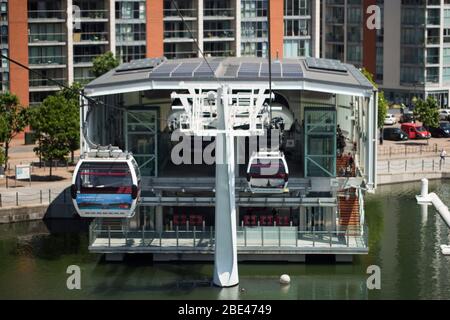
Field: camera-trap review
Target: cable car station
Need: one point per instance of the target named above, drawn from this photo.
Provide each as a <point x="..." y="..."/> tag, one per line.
<point x="291" y="161"/>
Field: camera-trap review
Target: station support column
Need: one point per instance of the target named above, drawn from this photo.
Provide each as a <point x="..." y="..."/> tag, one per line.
<point x="225" y="258"/>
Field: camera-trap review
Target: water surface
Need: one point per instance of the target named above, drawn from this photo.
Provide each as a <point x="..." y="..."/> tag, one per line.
<point x="404" y="242"/>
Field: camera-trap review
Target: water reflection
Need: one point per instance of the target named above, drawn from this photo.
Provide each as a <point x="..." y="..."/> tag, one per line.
<point x="404" y="241"/>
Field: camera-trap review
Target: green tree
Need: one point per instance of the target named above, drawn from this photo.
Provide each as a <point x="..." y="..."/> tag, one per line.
<point x="73" y="118"/>
<point x="2" y="156"/>
<point x="13" y="120"/>
<point x="382" y="103"/>
<point x="102" y="64"/>
<point x="54" y="123"/>
<point x="427" y="112"/>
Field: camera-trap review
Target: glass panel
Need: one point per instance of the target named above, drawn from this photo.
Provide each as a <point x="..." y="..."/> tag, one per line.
<point x="320" y="142"/>
<point x="141" y="143"/>
<point x="146" y="165"/>
<point x="142" y="140"/>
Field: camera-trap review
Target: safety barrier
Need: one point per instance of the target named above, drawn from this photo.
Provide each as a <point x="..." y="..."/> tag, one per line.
<point x="413" y="166"/>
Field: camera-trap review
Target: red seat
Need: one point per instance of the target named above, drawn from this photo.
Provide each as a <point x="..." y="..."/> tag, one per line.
<point x="176" y="220"/>
<point x="269" y="220"/>
<point x="262" y="220"/>
<point x="253" y="220"/>
<point x="246" y="220"/>
<point x="199" y="220"/>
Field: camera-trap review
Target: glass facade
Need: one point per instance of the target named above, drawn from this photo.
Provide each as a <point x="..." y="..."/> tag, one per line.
<point x="178" y="41"/>
<point x="4" y="67"/>
<point x="141" y="139"/>
<point x="254" y="28"/>
<point x="320" y="142"/>
<point x="130" y="30"/>
<point x="297" y="28"/>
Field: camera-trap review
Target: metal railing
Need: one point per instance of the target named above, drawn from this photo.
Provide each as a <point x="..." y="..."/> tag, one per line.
<point x="180" y="34"/>
<point x="88" y="58"/>
<point x="46" y="82"/>
<point x="45" y="196"/>
<point x="223" y="33"/>
<point x="47" y="37"/>
<point x="46" y="14"/>
<point x="47" y="60"/>
<point x="203" y="238"/>
<point x="404" y="150"/>
<point x="413" y="166"/>
<point x="173" y="13"/>
<point x="90" y="36"/>
<point x="218" y="12"/>
<point x="93" y="14"/>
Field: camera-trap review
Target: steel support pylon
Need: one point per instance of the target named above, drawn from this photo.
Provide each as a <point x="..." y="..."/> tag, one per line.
<point x="225" y="258"/>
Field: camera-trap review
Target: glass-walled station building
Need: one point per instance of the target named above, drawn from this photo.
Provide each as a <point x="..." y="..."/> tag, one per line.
<point x="328" y="112"/>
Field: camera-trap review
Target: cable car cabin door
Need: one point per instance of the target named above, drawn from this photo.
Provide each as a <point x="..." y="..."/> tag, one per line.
<point x="141" y="132"/>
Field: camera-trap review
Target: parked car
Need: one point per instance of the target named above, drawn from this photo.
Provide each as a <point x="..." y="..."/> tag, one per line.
<point x="407" y="118"/>
<point x="390" y="120"/>
<point x="444" y="114"/>
<point x="443" y="131"/>
<point x="394" y="134"/>
<point x="415" y="131"/>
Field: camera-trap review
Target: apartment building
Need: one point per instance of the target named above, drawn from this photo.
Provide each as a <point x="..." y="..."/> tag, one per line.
<point x="409" y="56"/>
<point x="58" y="39"/>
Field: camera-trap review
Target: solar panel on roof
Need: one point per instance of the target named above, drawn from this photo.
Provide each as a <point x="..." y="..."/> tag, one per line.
<point x="231" y="70"/>
<point x="141" y="64"/>
<point x="249" y="70"/>
<point x="276" y="70"/>
<point x="164" y="70"/>
<point x="292" y="70"/>
<point x="325" y="64"/>
<point x="205" y="69"/>
<point x="186" y="69"/>
<point x="359" y="76"/>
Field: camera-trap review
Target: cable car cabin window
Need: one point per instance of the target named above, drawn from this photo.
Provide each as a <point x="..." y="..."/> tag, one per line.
<point x="104" y="178"/>
<point x="273" y="169"/>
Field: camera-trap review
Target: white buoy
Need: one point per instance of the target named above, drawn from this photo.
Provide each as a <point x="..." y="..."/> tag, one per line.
<point x="285" y="279"/>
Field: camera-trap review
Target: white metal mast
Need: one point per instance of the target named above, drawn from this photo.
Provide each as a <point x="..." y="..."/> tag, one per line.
<point x="228" y="112"/>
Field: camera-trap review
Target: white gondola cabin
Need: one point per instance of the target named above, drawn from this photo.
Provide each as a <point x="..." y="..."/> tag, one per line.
<point x="106" y="183"/>
<point x="267" y="172"/>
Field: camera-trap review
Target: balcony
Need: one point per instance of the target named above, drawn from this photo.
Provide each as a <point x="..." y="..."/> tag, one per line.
<point x="433" y="40"/>
<point x="47" y="61"/>
<point x="130" y="37"/>
<point x="335" y="20"/>
<point x="45" y="85"/>
<point x="46" y="15"/>
<point x="84" y="59"/>
<point x="433" y="59"/>
<point x="224" y="34"/>
<point x="92" y="15"/>
<point x="172" y="14"/>
<point x="51" y="38"/>
<point x="83" y="80"/>
<point x="90" y="38"/>
<point x="218" y="14"/>
<point x="179" y="36"/>
<point x="331" y="37"/>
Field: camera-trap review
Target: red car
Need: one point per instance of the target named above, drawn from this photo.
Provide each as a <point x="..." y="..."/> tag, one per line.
<point x="415" y="131"/>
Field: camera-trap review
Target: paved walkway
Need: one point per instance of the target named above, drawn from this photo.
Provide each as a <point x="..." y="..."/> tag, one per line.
<point x="42" y="188"/>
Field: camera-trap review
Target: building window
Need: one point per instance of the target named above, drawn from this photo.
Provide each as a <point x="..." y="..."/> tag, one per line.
<point x="296" y="8"/>
<point x="446" y="74"/>
<point x="296" y="48"/>
<point x="253" y="8"/>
